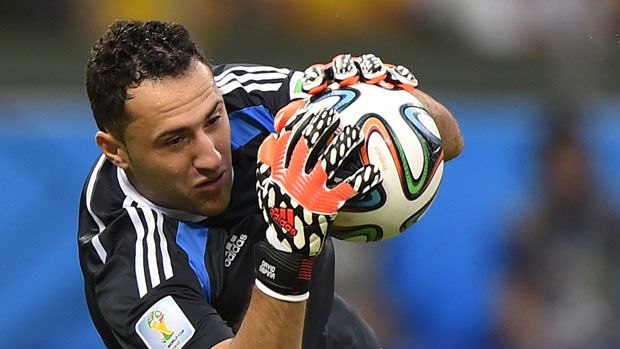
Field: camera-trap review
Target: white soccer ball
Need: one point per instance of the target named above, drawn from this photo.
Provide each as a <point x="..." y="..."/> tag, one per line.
<point x="401" y="139"/>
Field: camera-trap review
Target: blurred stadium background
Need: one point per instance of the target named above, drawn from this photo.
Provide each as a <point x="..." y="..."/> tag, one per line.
<point x="510" y="70"/>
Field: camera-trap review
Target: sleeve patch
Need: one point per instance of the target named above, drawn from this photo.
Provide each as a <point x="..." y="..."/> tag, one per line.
<point x="165" y="326"/>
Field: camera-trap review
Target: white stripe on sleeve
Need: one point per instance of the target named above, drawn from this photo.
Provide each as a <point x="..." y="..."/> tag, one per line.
<point x="139" y="260"/>
<point x="163" y="244"/>
<point x="103" y="255"/>
<point x="250" y="69"/>
<point x="250" y="87"/>
<point x="151" y="250"/>
<point x="250" y="77"/>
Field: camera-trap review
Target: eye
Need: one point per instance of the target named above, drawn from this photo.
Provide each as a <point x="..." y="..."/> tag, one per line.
<point x="175" y="141"/>
<point x="214" y="120"/>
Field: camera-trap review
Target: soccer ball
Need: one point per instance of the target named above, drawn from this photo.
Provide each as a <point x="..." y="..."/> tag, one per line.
<point x="401" y="139"/>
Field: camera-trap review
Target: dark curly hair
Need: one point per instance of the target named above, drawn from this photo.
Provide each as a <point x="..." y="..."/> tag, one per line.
<point x="129" y="52"/>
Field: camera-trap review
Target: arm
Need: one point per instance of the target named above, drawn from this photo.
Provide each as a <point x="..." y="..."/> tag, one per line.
<point x="264" y="322"/>
<point x="112" y="293"/>
<point x="299" y="209"/>
<point x="452" y="140"/>
<point x="346" y="70"/>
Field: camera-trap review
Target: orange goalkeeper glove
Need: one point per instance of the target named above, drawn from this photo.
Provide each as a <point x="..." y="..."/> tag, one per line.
<point x="346" y="70"/>
<point x="300" y="199"/>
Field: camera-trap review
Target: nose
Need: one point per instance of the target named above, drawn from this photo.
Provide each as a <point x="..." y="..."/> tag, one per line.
<point x="206" y="156"/>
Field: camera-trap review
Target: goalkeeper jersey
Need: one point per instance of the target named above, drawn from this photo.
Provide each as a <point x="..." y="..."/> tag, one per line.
<point x="161" y="278"/>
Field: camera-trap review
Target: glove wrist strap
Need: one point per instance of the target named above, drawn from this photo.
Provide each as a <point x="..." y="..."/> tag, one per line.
<point x="291" y="299"/>
<point x="282" y="275"/>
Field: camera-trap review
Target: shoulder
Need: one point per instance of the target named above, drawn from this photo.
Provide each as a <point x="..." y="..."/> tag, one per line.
<point x="249" y="77"/>
<point x="136" y="269"/>
<point x="120" y="236"/>
<point x="101" y="205"/>
<point x="245" y="85"/>
<point x="236" y="79"/>
<point x="118" y="224"/>
<point x="102" y="196"/>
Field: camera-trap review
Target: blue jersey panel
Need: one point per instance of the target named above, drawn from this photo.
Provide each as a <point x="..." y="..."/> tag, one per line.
<point x="193" y="240"/>
<point x="247" y="123"/>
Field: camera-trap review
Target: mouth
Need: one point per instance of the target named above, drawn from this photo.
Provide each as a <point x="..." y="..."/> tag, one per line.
<point x="212" y="184"/>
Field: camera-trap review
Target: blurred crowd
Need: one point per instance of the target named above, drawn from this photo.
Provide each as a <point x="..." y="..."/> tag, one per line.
<point x="561" y="288"/>
<point x="554" y="44"/>
<point x="555" y="283"/>
<point x="558" y="284"/>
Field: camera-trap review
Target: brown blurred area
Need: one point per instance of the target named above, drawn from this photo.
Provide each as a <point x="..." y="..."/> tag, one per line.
<point x="487" y="45"/>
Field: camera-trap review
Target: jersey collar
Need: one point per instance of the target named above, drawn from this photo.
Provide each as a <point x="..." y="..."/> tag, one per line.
<point x="134" y="195"/>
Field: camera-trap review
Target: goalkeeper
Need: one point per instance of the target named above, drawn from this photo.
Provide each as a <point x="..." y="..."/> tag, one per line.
<point x="176" y="247"/>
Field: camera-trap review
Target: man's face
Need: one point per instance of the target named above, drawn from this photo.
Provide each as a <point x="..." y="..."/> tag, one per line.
<point x="178" y="143"/>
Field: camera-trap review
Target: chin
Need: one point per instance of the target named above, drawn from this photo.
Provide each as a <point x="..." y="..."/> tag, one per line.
<point x="213" y="207"/>
<point x="214" y="211"/>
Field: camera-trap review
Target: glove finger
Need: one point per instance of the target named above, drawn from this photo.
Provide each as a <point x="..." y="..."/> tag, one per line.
<point x="264" y="162"/>
<point x="318" y="132"/>
<point x="296" y="127"/>
<point x="347" y="141"/>
<point x="364" y="179"/>
<point x="344" y="70"/>
<point x="298" y="120"/>
<point x="288" y="115"/>
<point x="315" y="80"/>
<point x="320" y="126"/>
<point x="372" y="68"/>
<point x="402" y="77"/>
<point x="315" y="128"/>
<point x="267" y="150"/>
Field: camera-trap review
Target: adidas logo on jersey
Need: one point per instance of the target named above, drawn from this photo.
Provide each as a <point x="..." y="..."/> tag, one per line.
<point x="233" y="246"/>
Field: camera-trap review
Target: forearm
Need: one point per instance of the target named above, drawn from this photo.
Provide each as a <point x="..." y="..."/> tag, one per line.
<point x="452" y="140"/>
<point x="270" y="323"/>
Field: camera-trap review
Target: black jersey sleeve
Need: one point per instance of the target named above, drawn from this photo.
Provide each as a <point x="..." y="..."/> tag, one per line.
<point x="146" y="293"/>
<point x="247" y="85"/>
<point x="356" y="334"/>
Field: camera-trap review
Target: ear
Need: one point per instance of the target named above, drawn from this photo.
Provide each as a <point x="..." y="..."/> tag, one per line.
<point x="113" y="149"/>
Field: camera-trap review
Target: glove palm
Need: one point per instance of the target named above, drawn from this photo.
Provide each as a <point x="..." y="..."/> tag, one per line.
<point x="295" y="181"/>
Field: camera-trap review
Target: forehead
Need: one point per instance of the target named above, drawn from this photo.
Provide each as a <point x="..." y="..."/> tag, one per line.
<point x="171" y="96"/>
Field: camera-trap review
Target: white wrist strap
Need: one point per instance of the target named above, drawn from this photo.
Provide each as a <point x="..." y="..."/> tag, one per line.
<point x="293" y="299"/>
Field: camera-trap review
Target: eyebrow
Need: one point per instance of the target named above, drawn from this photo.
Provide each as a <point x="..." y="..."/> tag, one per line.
<point x="185" y="129"/>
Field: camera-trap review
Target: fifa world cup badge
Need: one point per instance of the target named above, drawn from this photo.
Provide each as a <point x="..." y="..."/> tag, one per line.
<point x="165" y="326"/>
